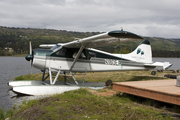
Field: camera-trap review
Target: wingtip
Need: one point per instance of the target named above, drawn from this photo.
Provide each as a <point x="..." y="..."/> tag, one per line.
<point x="123" y="34"/>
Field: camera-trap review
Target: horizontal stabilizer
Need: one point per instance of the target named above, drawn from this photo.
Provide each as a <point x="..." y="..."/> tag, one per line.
<point x="165" y="65"/>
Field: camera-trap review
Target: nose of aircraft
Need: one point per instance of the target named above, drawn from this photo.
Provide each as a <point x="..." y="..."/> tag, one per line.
<point x="29" y="57"/>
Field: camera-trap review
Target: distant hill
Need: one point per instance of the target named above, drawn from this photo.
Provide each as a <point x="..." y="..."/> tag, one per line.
<point x="162" y="47"/>
<point x="164" y="44"/>
<point x="18" y="39"/>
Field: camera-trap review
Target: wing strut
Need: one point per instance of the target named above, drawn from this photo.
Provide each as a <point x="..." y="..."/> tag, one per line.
<point x="75" y="60"/>
<point x="77" y="56"/>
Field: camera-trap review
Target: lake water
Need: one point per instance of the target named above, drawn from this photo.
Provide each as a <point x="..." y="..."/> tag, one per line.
<point x="12" y="67"/>
<point x="174" y="61"/>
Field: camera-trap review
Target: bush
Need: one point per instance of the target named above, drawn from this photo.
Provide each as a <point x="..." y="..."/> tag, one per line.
<point x="2" y="114"/>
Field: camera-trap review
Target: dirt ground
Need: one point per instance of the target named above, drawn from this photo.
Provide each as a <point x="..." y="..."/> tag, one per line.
<point x="106" y="93"/>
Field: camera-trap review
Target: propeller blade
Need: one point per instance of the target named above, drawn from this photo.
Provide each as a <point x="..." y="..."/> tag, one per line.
<point x="30" y="51"/>
<point x="30" y="48"/>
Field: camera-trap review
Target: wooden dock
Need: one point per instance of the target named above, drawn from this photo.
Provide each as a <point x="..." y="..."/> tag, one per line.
<point x="161" y="90"/>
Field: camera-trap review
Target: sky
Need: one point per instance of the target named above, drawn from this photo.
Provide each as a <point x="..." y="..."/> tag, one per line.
<point x="153" y="18"/>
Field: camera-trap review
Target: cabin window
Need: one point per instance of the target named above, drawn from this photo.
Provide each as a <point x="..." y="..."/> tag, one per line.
<point x="82" y="56"/>
<point x="61" y="52"/>
<point x="91" y="54"/>
<point x="41" y="52"/>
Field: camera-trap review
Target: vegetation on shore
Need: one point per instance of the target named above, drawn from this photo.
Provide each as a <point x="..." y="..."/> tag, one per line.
<point x="16" y="55"/>
<point x="82" y="104"/>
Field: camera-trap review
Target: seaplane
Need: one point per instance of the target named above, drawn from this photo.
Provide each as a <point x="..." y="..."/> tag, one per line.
<point x="80" y="56"/>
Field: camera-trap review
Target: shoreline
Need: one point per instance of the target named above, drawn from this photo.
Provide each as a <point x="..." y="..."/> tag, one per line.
<point x="19" y="55"/>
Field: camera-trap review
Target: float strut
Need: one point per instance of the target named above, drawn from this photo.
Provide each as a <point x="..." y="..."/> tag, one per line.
<point x="65" y="77"/>
<point x="55" y="79"/>
<point x="43" y="79"/>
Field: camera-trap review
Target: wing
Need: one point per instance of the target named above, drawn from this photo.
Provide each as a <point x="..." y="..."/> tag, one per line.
<point x="97" y="40"/>
<point x="101" y="39"/>
<point x="47" y="45"/>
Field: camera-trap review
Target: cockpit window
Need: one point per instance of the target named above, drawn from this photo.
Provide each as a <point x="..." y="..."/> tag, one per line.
<point x="41" y="52"/>
<point x="61" y="52"/>
<point x="91" y="54"/>
<point x="82" y="56"/>
<point x="56" y="46"/>
<point x="74" y="55"/>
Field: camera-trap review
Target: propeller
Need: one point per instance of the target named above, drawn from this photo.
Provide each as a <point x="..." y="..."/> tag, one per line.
<point x="29" y="57"/>
<point x="30" y="51"/>
<point x="30" y="48"/>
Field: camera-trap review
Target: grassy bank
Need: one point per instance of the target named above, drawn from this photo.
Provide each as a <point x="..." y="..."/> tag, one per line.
<point x="104" y="76"/>
<point x="82" y="104"/>
<point x="96" y="104"/>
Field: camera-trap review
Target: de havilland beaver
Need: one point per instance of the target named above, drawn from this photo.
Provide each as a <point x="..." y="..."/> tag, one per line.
<point x="79" y="56"/>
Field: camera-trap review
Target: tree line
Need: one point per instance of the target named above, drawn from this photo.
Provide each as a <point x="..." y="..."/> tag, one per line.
<point x="18" y="39"/>
<point x="168" y="54"/>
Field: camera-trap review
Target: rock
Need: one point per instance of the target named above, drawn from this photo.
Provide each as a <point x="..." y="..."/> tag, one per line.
<point x="170" y="76"/>
<point x="109" y="83"/>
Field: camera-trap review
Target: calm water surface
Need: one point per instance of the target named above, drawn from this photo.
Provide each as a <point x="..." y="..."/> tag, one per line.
<point x="174" y="61"/>
<point x="11" y="67"/>
<point x="15" y="66"/>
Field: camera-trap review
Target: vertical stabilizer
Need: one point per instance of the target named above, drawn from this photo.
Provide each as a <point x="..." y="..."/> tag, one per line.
<point x="142" y="53"/>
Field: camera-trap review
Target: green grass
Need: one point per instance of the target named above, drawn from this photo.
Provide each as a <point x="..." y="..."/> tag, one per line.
<point x="2" y="114"/>
<point x="7" y="114"/>
<point x="81" y="104"/>
<point x="10" y="113"/>
<point x="36" y="76"/>
<point x="104" y="76"/>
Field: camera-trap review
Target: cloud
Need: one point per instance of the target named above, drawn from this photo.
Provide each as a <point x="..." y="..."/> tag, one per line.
<point x="148" y="18"/>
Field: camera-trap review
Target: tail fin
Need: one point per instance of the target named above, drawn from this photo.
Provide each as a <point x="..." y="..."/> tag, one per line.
<point x="142" y="53"/>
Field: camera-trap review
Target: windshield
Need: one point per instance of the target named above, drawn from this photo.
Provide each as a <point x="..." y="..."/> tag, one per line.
<point x="56" y="46"/>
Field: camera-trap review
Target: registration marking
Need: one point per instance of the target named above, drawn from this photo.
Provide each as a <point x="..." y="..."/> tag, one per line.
<point x="112" y="62"/>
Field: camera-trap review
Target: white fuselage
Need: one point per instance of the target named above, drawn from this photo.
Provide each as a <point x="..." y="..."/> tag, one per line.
<point x="82" y="65"/>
